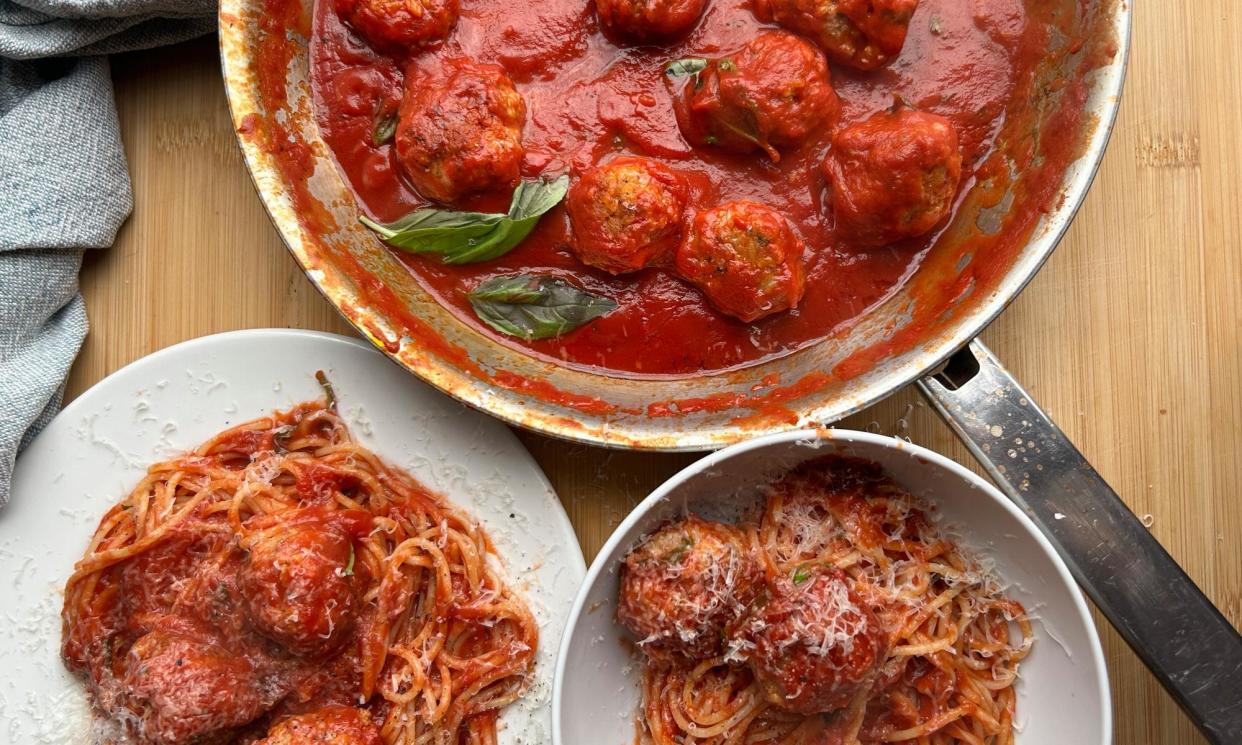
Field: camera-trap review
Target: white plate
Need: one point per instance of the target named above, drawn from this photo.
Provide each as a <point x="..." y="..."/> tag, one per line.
<point x="1063" y="687"/>
<point x="94" y="452"/>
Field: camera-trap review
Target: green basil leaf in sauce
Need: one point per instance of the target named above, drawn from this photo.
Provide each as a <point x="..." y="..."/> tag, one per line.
<point x="683" y="68"/>
<point x="383" y="128"/>
<point x="747" y="128"/>
<point x="349" y="568"/>
<point x="531" y="306"/>
<point x="471" y="237"/>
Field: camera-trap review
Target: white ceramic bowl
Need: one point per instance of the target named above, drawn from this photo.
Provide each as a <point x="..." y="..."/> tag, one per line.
<point x="1063" y="694"/>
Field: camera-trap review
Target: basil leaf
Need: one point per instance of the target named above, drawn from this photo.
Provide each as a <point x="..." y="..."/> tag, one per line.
<point x="533" y="307"/>
<point x="436" y="231"/>
<point x="471" y="237"/>
<point x="683" y="68"/>
<point x="747" y="128"/>
<point x="383" y="128"/>
<point x="533" y="198"/>
<point x="349" y="568"/>
<point x="434" y="219"/>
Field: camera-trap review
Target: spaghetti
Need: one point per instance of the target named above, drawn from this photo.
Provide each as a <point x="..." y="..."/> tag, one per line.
<point x="281" y="568"/>
<point x="951" y="640"/>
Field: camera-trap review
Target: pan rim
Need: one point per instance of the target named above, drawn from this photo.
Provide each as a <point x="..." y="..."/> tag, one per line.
<point x="870" y="389"/>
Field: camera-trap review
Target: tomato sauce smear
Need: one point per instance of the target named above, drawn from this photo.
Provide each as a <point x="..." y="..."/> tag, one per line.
<point x="589" y="99"/>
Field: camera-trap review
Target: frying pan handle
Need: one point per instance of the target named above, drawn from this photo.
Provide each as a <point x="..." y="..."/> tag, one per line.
<point x="1193" y="650"/>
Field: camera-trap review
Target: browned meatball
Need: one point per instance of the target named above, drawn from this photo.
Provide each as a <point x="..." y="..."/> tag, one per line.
<point x="626" y="214"/>
<point x="684" y="585"/>
<point x="745" y="258"/>
<point x="335" y="725"/>
<point x="773" y="93"/>
<point x="395" y="25"/>
<point x="648" y="20"/>
<point x="815" y="644"/>
<point x="298" y="580"/>
<point x="459" y="130"/>
<point x="893" y="176"/>
<point x="861" y="33"/>
<point x="180" y="683"/>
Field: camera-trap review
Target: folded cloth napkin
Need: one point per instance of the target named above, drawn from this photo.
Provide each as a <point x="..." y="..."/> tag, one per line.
<point x="64" y="186"/>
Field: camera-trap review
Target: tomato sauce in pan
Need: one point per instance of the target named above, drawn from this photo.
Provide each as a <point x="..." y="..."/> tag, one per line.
<point x="588" y="98"/>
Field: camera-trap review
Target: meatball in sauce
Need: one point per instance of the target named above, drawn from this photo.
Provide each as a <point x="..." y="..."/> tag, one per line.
<point x="865" y="34"/>
<point x="627" y="214"/>
<point x="648" y="20"/>
<point x="773" y="93"/>
<point x="745" y="258"/>
<point x="459" y="129"/>
<point x="400" y="25"/>
<point x="893" y="176"/>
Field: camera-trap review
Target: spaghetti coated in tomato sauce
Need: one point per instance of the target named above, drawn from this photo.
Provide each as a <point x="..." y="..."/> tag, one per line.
<point x="282" y="584"/>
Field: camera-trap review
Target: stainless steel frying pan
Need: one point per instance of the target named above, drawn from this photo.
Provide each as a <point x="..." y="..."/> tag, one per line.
<point x="925" y="334"/>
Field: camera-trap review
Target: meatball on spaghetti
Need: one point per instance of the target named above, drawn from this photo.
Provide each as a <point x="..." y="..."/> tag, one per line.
<point x="626" y="214"/>
<point x="459" y="129"/>
<point x="684" y="585"/>
<point x="339" y="725"/>
<point x="745" y="258"/>
<point x="397" y="25"/>
<point x="860" y="33"/>
<point x="772" y="94"/>
<point x="182" y="682"/>
<point x="297" y="579"/>
<point x="282" y="581"/>
<point x="648" y="20"/>
<point x="816" y="645"/>
<point x="893" y="176"/>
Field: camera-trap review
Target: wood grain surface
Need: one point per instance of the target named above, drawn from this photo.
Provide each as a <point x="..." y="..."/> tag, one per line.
<point x="1129" y="336"/>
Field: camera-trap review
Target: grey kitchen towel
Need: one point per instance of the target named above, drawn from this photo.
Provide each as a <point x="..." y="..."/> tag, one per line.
<point x="64" y="185"/>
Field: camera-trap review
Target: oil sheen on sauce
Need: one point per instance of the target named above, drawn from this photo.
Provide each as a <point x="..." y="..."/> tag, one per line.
<point x="588" y="98"/>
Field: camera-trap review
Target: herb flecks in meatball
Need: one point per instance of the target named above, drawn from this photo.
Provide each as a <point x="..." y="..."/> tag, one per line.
<point x="459" y="130"/>
<point x="814" y="646"/>
<point x="627" y="214"/>
<point x="893" y="176"/>
<point x="745" y="258"/>
<point x="648" y="20"/>
<point x="683" y="586"/>
<point x="774" y="93"/>
<point x="398" y="25"/>
<point x="865" y="34"/>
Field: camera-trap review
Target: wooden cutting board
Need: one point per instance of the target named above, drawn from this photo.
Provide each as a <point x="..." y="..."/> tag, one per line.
<point x="1129" y="336"/>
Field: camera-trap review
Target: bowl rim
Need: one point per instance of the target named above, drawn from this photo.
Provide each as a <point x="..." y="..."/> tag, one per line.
<point x="600" y="563"/>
